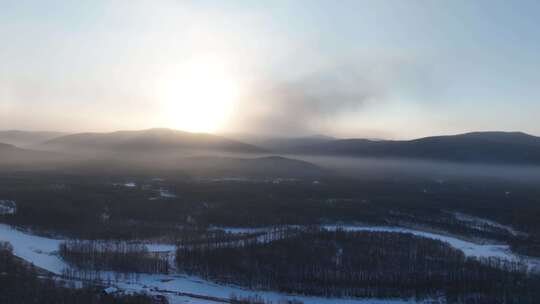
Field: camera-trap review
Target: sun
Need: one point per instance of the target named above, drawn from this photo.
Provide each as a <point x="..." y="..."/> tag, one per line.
<point x="198" y="95"/>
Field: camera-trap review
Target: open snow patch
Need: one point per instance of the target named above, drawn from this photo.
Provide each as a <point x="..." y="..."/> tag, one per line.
<point x="126" y="184"/>
<point x="7" y="207"/>
<point x="484" y="224"/>
<point x="166" y="193"/>
<point x="40" y="251"/>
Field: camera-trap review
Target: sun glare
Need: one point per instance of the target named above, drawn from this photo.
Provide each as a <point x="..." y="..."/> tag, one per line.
<point x="199" y="95"/>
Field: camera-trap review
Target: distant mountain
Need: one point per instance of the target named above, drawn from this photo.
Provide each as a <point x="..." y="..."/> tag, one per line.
<point x="14" y="157"/>
<point x="271" y="166"/>
<point x="6" y="147"/>
<point x="477" y="147"/>
<point x="281" y="144"/>
<point x="152" y="140"/>
<point x="27" y="138"/>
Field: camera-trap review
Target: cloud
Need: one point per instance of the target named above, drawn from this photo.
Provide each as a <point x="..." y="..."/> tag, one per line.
<point x="307" y="105"/>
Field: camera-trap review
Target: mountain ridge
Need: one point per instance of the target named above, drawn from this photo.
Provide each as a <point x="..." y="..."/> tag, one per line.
<point x="24" y="138"/>
<point x="149" y="140"/>
<point x="481" y="147"/>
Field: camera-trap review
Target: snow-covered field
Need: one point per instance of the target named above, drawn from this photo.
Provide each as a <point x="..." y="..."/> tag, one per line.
<point x="35" y="249"/>
<point x="42" y="252"/>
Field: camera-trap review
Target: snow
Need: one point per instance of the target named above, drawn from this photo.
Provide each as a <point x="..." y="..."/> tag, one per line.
<point x="241" y="230"/>
<point x="126" y="184"/>
<point x="478" y="222"/>
<point x="166" y="193"/>
<point x="7" y="207"/>
<point x="230" y="179"/>
<point x="261" y="234"/>
<point x="194" y="285"/>
<point x="161" y="247"/>
<point x="283" y="180"/>
<point x="38" y="250"/>
<point x="188" y="300"/>
<point x="470" y="249"/>
<point x="42" y="252"/>
<point x="110" y="290"/>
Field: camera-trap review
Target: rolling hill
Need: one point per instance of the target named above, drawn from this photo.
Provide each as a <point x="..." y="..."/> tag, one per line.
<point x="280" y="144"/>
<point x="27" y="138"/>
<point x="476" y="147"/>
<point x="147" y="141"/>
<point x="269" y="166"/>
<point x="14" y="157"/>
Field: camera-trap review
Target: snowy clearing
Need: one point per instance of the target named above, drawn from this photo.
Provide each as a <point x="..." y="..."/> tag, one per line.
<point x="35" y="249"/>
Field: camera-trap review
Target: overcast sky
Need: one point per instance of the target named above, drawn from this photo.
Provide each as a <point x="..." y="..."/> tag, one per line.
<point x="394" y="69"/>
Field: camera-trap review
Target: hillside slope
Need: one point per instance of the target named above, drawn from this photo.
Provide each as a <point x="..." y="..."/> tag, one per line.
<point x="477" y="147"/>
<point x="152" y="140"/>
<point x="27" y="138"/>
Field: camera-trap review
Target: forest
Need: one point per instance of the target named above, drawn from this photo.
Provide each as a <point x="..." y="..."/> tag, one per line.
<point x="361" y="264"/>
<point x="23" y="284"/>
<point x="103" y="210"/>
<point x="101" y="207"/>
<point x="117" y="256"/>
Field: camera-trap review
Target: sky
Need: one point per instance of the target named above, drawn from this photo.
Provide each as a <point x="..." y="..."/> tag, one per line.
<point x="383" y="69"/>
